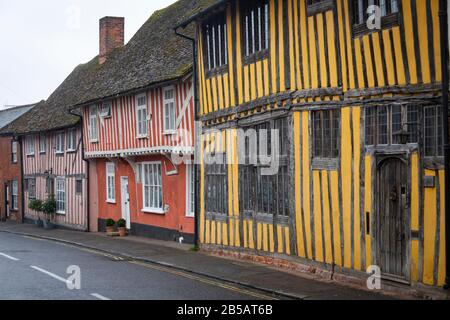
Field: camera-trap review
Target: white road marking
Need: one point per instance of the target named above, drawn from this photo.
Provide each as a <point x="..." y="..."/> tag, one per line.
<point x="54" y="276"/>
<point x="8" y="257"/>
<point x="100" y="297"/>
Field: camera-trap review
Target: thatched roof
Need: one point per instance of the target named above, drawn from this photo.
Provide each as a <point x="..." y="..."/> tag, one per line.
<point x="155" y="54"/>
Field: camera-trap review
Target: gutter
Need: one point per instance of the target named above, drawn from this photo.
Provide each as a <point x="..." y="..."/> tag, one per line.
<point x="88" y="191"/>
<point x="196" y="167"/>
<point x="443" y="16"/>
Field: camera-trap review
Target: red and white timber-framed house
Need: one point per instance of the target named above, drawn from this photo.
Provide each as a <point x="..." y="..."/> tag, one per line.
<point x="137" y="115"/>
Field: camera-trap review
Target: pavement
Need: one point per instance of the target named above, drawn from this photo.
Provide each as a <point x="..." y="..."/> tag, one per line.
<point x="166" y="257"/>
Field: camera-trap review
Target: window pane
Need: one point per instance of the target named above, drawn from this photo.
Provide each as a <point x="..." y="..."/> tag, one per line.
<point x="413" y="124"/>
<point x="396" y="123"/>
<point x="429" y="131"/>
<point x="382" y="125"/>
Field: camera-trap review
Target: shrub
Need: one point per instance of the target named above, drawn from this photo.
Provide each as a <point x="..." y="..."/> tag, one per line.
<point x="122" y="223"/>
<point x="49" y="206"/>
<point x="35" y="205"/>
<point x="110" y="223"/>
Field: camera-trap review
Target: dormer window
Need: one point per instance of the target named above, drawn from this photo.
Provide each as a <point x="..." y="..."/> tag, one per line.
<point x="255" y="25"/>
<point x="215" y="42"/>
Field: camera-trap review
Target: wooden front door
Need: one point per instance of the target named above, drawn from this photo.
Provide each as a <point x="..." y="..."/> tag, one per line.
<point x="392" y="218"/>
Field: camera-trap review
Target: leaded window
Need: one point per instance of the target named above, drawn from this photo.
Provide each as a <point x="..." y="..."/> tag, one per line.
<point x="326" y="126"/>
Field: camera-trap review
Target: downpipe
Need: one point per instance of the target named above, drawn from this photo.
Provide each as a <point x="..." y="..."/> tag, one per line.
<point x="443" y="21"/>
<point x="196" y="167"/>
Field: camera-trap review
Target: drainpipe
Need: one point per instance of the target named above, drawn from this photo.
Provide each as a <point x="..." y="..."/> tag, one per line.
<point x="22" y="171"/>
<point x="88" y="202"/>
<point x="196" y="169"/>
<point x="445" y="86"/>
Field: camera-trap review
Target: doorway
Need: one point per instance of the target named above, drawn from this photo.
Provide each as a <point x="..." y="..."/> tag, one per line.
<point x="392" y="223"/>
<point x="125" y="201"/>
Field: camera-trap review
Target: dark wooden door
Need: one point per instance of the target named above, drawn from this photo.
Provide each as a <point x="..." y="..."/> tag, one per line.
<point x="392" y="218"/>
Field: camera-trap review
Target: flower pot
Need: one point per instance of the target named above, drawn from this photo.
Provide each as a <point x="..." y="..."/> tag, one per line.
<point x="109" y="230"/>
<point x="48" y="225"/>
<point x="123" y="232"/>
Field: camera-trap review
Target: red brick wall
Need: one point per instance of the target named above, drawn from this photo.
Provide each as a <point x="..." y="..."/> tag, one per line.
<point x="9" y="172"/>
<point x="112" y="31"/>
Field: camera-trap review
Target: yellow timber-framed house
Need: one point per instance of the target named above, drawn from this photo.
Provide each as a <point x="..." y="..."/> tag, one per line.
<point x="357" y="110"/>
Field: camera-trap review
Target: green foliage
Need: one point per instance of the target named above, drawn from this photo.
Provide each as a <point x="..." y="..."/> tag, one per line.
<point x="110" y="223"/>
<point x="35" y="205"/>
<point x="122" y="223"/>
<point x="49" y="206"/>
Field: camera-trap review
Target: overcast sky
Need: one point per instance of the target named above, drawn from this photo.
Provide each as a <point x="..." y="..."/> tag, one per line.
<point x="43" y="41"/>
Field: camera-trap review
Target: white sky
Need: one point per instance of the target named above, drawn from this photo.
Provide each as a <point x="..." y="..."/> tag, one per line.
<point x="41" y="42"/>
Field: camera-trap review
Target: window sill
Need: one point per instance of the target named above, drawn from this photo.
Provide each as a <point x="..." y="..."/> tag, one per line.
<point x="93" y="141"/>
<point x="190" y="215"/>
<point x="142" y="137"/>
<point x="61" y="213"/>
<point x="154" y="211"/>
<point x="59" y="154"/>
<point x="325" y="163"/>
<point x="30" y="155"/>
<point x="217" y="71"/>
<point x="255" y="57"/>
<point x="111" y="201"/>
<point x="170" y="133"/>
<point x="71" y="150"/>
<point x="387" y="22"/>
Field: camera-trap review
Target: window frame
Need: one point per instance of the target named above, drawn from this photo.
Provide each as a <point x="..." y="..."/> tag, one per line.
<point x="14" y="195"/>
<point x="58" y="182"/>
<point x="32" y="187"/>
<point x="334" y="135"/>
<point x="60" y="143"/>
<point x="78" y="186"/>
<point x="71" y="138"/>
<point x="157" y="187"/>
<point x="106" y="105"/>
<point x="438" y="147"/>
<point x="93" y="124"/>
<point x="388" y="21"/>
<point x="210" y="53"/>
<point x="14" y="152"/>
<point x="190" y="190"/>
<point x="110" y="174"/>
<point x="143" y="122"/>
<point x="264" y="37"/>
<point x="218" y="173"/>
<point x="42" y="143"/>
<point x="31" y="148"/>
<point x="166" y="102"/>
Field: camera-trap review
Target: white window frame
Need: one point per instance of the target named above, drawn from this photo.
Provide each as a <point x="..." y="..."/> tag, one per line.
<point x="15" y="195"/>
<point x="14" y="150"/>
<point x="172" y="116"/>
<point x="42" y="143"/>
<point x="110" y="182"/>
<point x="190" y="191"/>
<point x="155" y="185"/>
<point x="30" y="146"/>
<point x="93" y="124"/>
<point x="60" y="195"/>
<point x="142" y="116"/>
<point x="60" y="142"/>
<point x="72" y="140"/>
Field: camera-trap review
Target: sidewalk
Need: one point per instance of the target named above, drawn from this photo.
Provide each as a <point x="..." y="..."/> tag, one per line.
<point x="178" y="256"/>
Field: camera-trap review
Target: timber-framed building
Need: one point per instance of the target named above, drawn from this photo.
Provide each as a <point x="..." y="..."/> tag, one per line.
<point x="361" y="177"/>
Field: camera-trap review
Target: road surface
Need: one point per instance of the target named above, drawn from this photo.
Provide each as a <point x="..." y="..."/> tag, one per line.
<point x="33" y="269"/>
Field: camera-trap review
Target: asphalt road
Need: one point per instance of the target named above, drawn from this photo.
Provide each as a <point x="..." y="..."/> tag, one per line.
<point x="32" y="269"/>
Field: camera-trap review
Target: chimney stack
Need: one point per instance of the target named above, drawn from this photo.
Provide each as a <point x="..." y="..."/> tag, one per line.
<point x="112" y="30"/>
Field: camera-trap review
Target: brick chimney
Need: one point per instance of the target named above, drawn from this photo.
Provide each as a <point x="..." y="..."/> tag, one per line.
<point x="112" y="31"/>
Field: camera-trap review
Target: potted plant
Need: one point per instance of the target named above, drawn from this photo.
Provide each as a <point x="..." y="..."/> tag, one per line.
<point x="49" y="209"/>
<point x="122" y="227"/>
<point x="36" y="205"/>
<point x="110" y="224"/>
